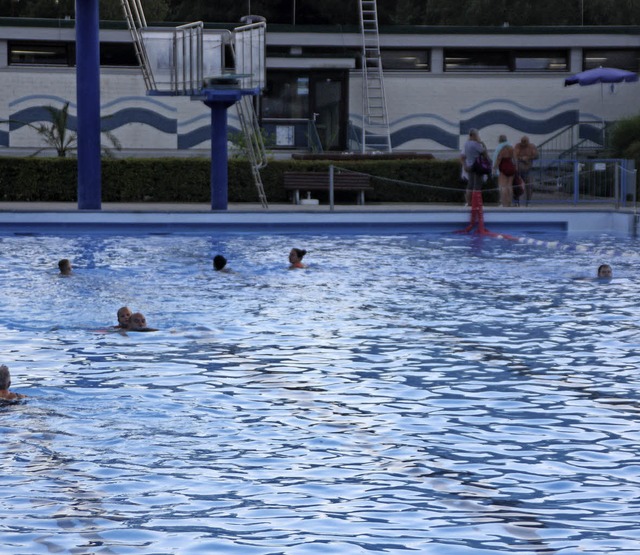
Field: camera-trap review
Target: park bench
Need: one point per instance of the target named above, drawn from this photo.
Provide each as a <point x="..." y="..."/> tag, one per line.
<point x="319" y="181"/>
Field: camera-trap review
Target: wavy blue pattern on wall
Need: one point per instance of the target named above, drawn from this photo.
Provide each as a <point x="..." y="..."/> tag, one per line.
<point x="520" y="107"/>
<point x="139" y="115"/>
<point x="199" y="136"/>
<point x="30" y="97"/>
<point x="108" y="123"/>
<point x="424" y="132"/>
<point x="4" y="138"/>
<point x="525" y="125"/>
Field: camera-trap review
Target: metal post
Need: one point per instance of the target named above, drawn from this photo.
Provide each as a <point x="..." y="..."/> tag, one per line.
<point x="576" y="182"/>
<point x="331" y="187"/>
<point x="616" y="183"/>
<point x="88" y="99"/>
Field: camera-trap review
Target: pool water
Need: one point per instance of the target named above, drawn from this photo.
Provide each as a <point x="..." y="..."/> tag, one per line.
<point x="435" y="394"/>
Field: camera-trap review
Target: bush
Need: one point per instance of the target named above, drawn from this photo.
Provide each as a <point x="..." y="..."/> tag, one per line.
<point x="625" y="138"/>
<point x="188" y="180"/>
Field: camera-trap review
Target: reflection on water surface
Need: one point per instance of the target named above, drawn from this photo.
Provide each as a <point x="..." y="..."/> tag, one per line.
<point x="432" y="394"/>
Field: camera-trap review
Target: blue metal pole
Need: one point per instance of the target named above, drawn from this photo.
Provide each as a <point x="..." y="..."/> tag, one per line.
<point x="219" y="163"/>
<point x="88" y="98"/>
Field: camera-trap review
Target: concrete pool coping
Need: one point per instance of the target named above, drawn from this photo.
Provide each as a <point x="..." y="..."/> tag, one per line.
<point x="60" y="216"/>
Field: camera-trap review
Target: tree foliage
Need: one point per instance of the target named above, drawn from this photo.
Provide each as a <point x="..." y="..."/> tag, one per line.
<point x="345" y="12"/>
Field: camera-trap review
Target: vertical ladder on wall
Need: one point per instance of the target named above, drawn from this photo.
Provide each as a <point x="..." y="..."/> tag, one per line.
<point x="134" y="15"/>
<point x="375" y="120"/>
<point x="254" y="143"/>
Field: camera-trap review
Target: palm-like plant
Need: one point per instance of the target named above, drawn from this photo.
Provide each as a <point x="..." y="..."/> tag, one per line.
<point x="57" y="135"/>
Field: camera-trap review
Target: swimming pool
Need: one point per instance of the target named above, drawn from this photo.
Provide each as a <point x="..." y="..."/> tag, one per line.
<point x="407" y="393"/>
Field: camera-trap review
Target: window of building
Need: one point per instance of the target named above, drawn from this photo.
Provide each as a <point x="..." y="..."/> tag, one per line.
<point x="41" y="53"/>
<point x="541" y="60"/>
<point x="418" y="60"/>
<point x="118" y="54"/>
<point x="469" y="60"/>
<point x="476" y="60"/>
<point x="286" y="96"/>
<point x="628" y="59"/>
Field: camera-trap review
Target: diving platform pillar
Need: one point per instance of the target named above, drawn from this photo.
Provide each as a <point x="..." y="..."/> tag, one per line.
<point x="88" y="99"/>
<point x="219" y="101"/>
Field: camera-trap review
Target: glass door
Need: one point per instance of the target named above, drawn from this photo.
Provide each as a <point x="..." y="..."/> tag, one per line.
<point x="329" y="103"/>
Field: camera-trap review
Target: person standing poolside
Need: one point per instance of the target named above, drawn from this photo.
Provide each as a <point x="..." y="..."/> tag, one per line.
<point x="5" y="384"/>
<point x="123" y="315"/>
<point x="464" y="178"/>
<point x="525" y="153"/>
<point x="504" y="164"/>
<point x="295" y="258"/>
<point x="473" y="148"/>
<point x="64" y="266"/>
<point x="605" y="271"/>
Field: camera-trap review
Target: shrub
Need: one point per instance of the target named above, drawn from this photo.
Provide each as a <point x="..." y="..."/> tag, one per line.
<point x="188" y="179"/>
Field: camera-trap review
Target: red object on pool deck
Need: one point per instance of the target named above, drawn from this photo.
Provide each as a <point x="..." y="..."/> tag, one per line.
<point x="477" y="219"/>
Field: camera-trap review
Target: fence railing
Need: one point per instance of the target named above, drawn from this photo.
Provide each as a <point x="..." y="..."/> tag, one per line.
<point x="605" y="181"/>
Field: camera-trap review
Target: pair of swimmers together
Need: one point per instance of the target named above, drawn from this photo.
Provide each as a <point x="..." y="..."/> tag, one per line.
<point x="131" y="321"/>
<point x="295" y="261"/>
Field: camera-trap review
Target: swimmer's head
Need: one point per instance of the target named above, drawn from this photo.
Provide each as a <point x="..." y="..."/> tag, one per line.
<point x="296" y="255"/>
<point x="605" y="271"/>
<point x="219" y="262"/>
<point x="124" y="315"/>
<point x="137" y="321"/>
<point x="65" y="266"/>
<point x="5" y="377"/>
<point x="502" y="139"/>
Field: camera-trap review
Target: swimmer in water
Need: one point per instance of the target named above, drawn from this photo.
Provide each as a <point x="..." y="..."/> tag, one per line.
<point x="295" y="258"/>
<point x="64" y="266"/>
<point x="123" y="315"/>
<point x="5" y="384"/>
<point x="220" y="263"/>
<point x="138" y="322"/>
<point x="605" y="271"/>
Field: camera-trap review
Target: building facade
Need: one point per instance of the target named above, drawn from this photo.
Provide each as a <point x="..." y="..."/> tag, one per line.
<point x="439" y="82"/>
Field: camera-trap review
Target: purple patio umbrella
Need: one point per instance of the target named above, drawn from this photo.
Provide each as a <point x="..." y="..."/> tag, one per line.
<point x="602" y="75"/>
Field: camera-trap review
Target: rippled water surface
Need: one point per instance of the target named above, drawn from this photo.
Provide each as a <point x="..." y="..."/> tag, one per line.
<point x="431" y="394"/>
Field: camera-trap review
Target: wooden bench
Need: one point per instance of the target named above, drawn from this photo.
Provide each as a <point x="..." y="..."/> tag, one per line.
<point x="319" y="181"/>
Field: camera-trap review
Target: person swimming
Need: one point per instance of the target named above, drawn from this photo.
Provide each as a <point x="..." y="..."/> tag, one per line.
<point x="65" y="267"/>
<point x="123" y="315"/>
<point x="5" y="384"/>
<point x="295" y="258"/>
<point x="220" y="263"/>
<point x="605" y="271"/>
<point x="138" y="322"/>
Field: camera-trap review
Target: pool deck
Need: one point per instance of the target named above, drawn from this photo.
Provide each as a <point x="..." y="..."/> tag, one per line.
<point x="57" y="216"/>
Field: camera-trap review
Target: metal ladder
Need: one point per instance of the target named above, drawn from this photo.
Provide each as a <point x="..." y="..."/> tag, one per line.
<point x="134" y="15"/>
<point x="375" y="120"/>
<point x="255" y="148"/>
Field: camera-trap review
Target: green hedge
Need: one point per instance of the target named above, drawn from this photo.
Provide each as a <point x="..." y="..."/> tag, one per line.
<point x="187" y="180"/>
